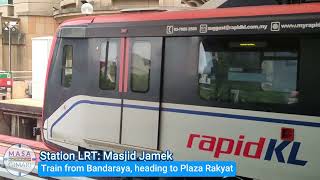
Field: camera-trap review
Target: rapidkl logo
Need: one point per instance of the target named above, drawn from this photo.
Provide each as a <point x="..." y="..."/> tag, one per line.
<point x="241" y="148"/>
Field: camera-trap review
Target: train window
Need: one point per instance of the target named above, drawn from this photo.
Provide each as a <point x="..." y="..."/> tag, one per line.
<point x="249" y="75"/>
<point x="67" y="65"/>
<point x="108" y="65"/>
<point x="140" y="68"/>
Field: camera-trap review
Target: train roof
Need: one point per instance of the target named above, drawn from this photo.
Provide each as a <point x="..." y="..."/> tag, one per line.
<point x="306" y="8"/>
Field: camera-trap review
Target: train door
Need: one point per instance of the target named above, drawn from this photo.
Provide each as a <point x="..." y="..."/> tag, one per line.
<point x="141" y="91"/>
<point x="105" y="112"/>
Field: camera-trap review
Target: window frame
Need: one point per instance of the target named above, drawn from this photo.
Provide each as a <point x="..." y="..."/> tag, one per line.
<point x="264" y="107"/>
<point x="132" y="68"/>
<point x="64" y="66"/>
<point x="106" y="61"/>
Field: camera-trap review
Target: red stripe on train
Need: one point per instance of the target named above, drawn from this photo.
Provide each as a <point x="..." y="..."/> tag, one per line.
<point x="126" y="68"/>
<point x="122" y="49"/>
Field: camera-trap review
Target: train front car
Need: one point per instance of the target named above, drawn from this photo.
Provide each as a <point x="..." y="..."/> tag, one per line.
<point x="237" y="84"/>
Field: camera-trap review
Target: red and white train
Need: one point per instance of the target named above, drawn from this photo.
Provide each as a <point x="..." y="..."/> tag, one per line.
<point x="239" y="84"/>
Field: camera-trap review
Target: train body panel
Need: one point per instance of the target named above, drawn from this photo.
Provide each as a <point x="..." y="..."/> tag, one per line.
<point x="222" y="85"/>
<point x="92" y="114"/>
<point x="205" y="132"/>
<point x="198" y="133"/>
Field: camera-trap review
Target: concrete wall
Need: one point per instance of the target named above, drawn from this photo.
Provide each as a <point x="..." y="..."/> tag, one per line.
<point x="35" y="19"/>
<point x="98" y="4"/>
<point x="17" y="57"/>
<point x="170" y="3"/>
<point x="21" y="55"/>
<point x="7" y="10"/>
<point x="104" y="3"/>
<point x="135" y="3"/>
<point x="35" y="26"/>
<point x="33" y="7"/>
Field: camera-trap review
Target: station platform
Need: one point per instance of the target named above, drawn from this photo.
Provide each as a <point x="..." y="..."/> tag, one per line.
<point x="19" y="116"/>
<point x="16" y="110"/>
<point x="26" y="106"/>
<point x="7" y="141"/>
